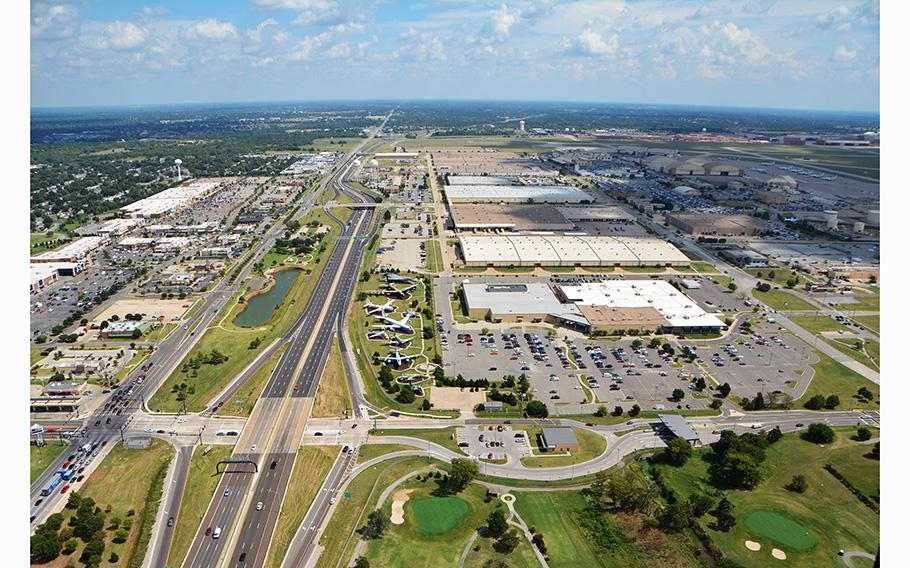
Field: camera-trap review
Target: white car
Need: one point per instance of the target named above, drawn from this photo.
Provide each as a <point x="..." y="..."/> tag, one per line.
<point x="259" y="506"/>
<point x="253" y="449"/>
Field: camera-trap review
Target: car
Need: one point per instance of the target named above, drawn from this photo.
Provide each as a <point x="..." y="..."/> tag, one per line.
<point x="159" y="431"/>
<point x="242" y="557"/>
<point x="332" y="501"/>
<point x="259" y="506"/>
<point x="274" y="463"/>
<point x="170" y="521"/>
<point x="208" y="531"/>
<point x="80" y="478"/>
<point x="799" y="424"/>
<point x="227" y="492"/>
<point x="65" y="489"/>
<point x="317" y="433"/>
<point x="296" y="386"/>
<point x="589" y="424"/>
<point x="253" y="449"/>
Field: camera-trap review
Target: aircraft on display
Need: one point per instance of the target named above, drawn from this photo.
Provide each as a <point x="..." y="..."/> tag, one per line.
<point x="390" y="277"/>
<point x="381" y="309"/>
<point x="375" y="335"/>
<point x="397" y="360"/>
<point x="401" y="294"/>
<point x="401" y="343"/>
<point x="398" y="326"/>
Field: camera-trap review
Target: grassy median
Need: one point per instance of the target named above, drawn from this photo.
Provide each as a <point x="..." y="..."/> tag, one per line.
<point x="333" y="398"/>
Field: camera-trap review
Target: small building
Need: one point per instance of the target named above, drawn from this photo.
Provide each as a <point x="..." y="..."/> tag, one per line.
<point x="493" y="406"/>
<point x="42" y="275"/>
<point x="65" y="388"/>
<point x="125" y="329"/>
<point x="559" y="439"/>
<point x="675" y="425"/>
<point x="67" y="404"/>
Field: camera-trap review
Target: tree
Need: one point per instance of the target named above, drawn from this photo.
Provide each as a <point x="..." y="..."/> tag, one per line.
<point x="731" y="286"/>
<point x="668" y="349"/>
<point x="70" y="546"/>
<point x="815" y="403"/>
<point x="426" y="404"/>
<point x="678" y="452"/>
<point x="724" y="390"/>
<point x="94" y="549"/>
<point x="637" y="343"/>
<point x="635" y="410"/>
<point x="539" y="543"/>
<point x="507" y="542"/>
<point x="45" y="545"/>
<point x="114" y="558"/>
<point x="832" y="402"/>
<point x="774" y="435"/>
<point x="627" y="491"/>
<point x="617" y="411"/>
<point x="700" y="383"/>
<point x="865" y="393"/>
<point x="406" y="396"/>
<point x="601" y="411"/>
<point x="654" y="343"/>
<point x="361" y="562"/>
<point x="700" y="504"/>
<point x="716" y="404"/>
<point x="819" y="434"/>
<point x="723" y="514"/>
<point x="874" y="454"/>
<point x="676" y="517"/>
<point x="798" y="484"/>
<point x="376" y="525"/>
<point x="120" y="535"/>
<point x="537" y="408"/>
<point x="496" y="523"/>
<point x="678" y="394"/>
<point x="863" y="434"/>
<point x="462" y="472"/>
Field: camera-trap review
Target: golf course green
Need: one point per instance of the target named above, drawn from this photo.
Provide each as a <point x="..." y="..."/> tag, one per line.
<point x="781" y="530"/>
<point x="438" y="515"/>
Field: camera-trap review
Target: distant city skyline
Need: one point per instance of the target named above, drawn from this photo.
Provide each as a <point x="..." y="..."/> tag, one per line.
<point x="798" y="54"/>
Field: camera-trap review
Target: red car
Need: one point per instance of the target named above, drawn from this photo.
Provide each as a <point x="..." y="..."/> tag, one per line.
<point x="80" y="470"/>
<point x="296" y="386"/>
<point x="65" y="489"/>
<point x="208" y="531"/>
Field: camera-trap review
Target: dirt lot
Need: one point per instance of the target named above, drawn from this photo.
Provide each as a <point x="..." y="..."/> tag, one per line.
<point x="454" y="397"/>
<point x="150" y="307"/>
<point x="403" y="254"/>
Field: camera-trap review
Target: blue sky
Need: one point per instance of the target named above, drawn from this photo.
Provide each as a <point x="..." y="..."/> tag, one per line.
<point x="817" y="54"/>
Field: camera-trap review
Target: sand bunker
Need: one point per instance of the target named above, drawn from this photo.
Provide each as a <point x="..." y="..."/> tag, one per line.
<point x="398" y="501"/>
<point x="778" y="553"/>
<point x="753" y="546"/>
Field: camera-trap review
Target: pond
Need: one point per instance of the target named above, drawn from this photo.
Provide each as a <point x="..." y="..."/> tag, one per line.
<point x="259" y="308"/>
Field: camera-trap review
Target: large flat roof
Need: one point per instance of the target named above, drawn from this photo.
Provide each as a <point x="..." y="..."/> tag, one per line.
<point x="529" y="298"/>
<point x="496" y="193"/>
<point x="509" y="216"/>
<point x="677" y="308"/>
<point x="559" y="435"/>
<point x="74" y="250"/>
<point x="678" y="426"/>
<point x="565" y="249"/>
<point x="480" y="180"/>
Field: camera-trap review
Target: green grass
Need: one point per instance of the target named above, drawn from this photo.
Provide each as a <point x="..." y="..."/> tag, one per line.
<point x="592" y="445"/>
<point x="827" y="510"/>
<point x="522" y="557"/>
<point x="869" y="355"/>
<point x="333" y="398"/>
<point x="644" y="269"/>
<point x="609" y="419"/>
<point x="783" y="301"/>
<point x="243" y="400"/>
<point x="833" y="378"/>
<point x="862" y="304"/>
<point x="435" y="261"/>
<point x="514" y="269"/>
<point x="817" y="324"/>
<point x="872" y="323"/>
<point x="443" y="436"/>
<point x="41" y="457"/>
<point x="201" y="482"/>
<point x="781" y="275"/>
<point x="313" y="464"/>
<point x="704" y="267"/>
<point x="780" y="529"/>
<point x="438" y="515"/>
<point x="370" y="451"/>
<point x="350" y="514"/>
<point x="559" y="268"/>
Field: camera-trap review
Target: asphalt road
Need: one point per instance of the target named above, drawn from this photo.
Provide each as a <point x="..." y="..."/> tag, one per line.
<point x="162" y="534"/>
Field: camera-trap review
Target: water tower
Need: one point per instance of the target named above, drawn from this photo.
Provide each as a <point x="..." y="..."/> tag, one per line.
<point x="177" y="163"/>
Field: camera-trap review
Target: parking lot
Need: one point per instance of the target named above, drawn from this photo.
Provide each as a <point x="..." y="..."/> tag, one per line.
<point x="494" y="442"/>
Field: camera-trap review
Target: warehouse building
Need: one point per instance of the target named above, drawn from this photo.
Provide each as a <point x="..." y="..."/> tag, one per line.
<point x="516" y="194"/>
<point x="74" y="251"/>
<point x="171" y="200"/>
<point x="516" y="217"/>
<point x="559" y="439"/>
<point x="565" y="250"/>
<point x="718" y="225"/>
<point x="656" y="306"/>
<point x="698" y="166"/>
<point x="520" y="303"/>
<point x="479" y="180"/>
<point x="597" y="214"/>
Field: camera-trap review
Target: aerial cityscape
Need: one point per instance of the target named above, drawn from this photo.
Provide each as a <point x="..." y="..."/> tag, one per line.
<point x="351" y="284"/>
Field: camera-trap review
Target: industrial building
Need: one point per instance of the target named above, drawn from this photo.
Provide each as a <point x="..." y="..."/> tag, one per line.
<point x="559" y="439"/>
<point x="654" y="305"/>
<point x="497" y="217"/>
<point x="538" y="250"/>
<point x="72" y="252"/>
<point x="516" y="194"/>
<point x="697" y="166"/>
<point x="520" y="303"/>
<point x="479" y="180"/>
<point x="718" y="225"/>
<point x="171" y="200"/>
<point x="745" y="258"/>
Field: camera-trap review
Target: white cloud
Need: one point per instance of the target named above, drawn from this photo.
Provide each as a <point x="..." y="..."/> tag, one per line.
<point x="748" y="44"/>
<point x="502" y="21"/>
<point x="212" y="29"/>
<point x="122" y="36"/>
<point x="590" y="42"/>
<point x="338" y="51"/>
<point x="307" y="47"/>
<point x="711" y="72"/>
<point x="844" y="55"/>
<point x="155" y="10"/>
<point x="54" y="21"/>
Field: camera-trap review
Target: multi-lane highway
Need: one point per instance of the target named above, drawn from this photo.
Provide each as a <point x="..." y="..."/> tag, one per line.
<point x="247" y="502"/>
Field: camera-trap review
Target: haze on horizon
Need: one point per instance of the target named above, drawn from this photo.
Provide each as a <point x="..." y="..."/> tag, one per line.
<point x="798" y="54"/>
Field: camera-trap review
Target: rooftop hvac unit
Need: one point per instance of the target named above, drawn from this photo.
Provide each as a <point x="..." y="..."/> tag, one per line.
<point x="650" y="301"/>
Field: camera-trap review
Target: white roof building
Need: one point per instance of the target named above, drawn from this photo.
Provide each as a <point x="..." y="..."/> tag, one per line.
<point x="566" y="250"/>
<point x="480" y="180"/>
<point x="76" y="250"/>
<point x="678" y="309"/>
<point x="516" y="194"/>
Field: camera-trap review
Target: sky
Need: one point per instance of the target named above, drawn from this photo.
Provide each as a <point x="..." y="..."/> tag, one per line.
<point x="814" y="54"/>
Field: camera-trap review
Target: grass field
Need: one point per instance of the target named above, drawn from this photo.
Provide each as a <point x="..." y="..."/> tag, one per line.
<point x="234" y="341"/>
<point x="41" y="457"/>
<point x="783" y="301"/>
<point x="443" y="436"/>
<point x="556" y="514"/>
<point x="370" y="451"/>
<point x="869" y="355"/>
<point x="833" y="378"/>
<point x="313" y="464"/>
<point x="522" y="557"/>
<point x="817" y="324"/>
<point x="780" y="530"/>
<point x="437" y="515"/>
<point x="350" y="514"/>
<point x="434" y="256"/>
<point x="145" y="469"/>
<point x="781" y="275"/>
<point x="592" y="445"/>
<point x="610" y="419"/>
<point x="872" y="323"/>
<point x="243" y="400"/>
<point x="863" y="304"/>
<point x="333" y="398"/>
<point x="827" y="510"/>
<point x="201" y="482"/>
